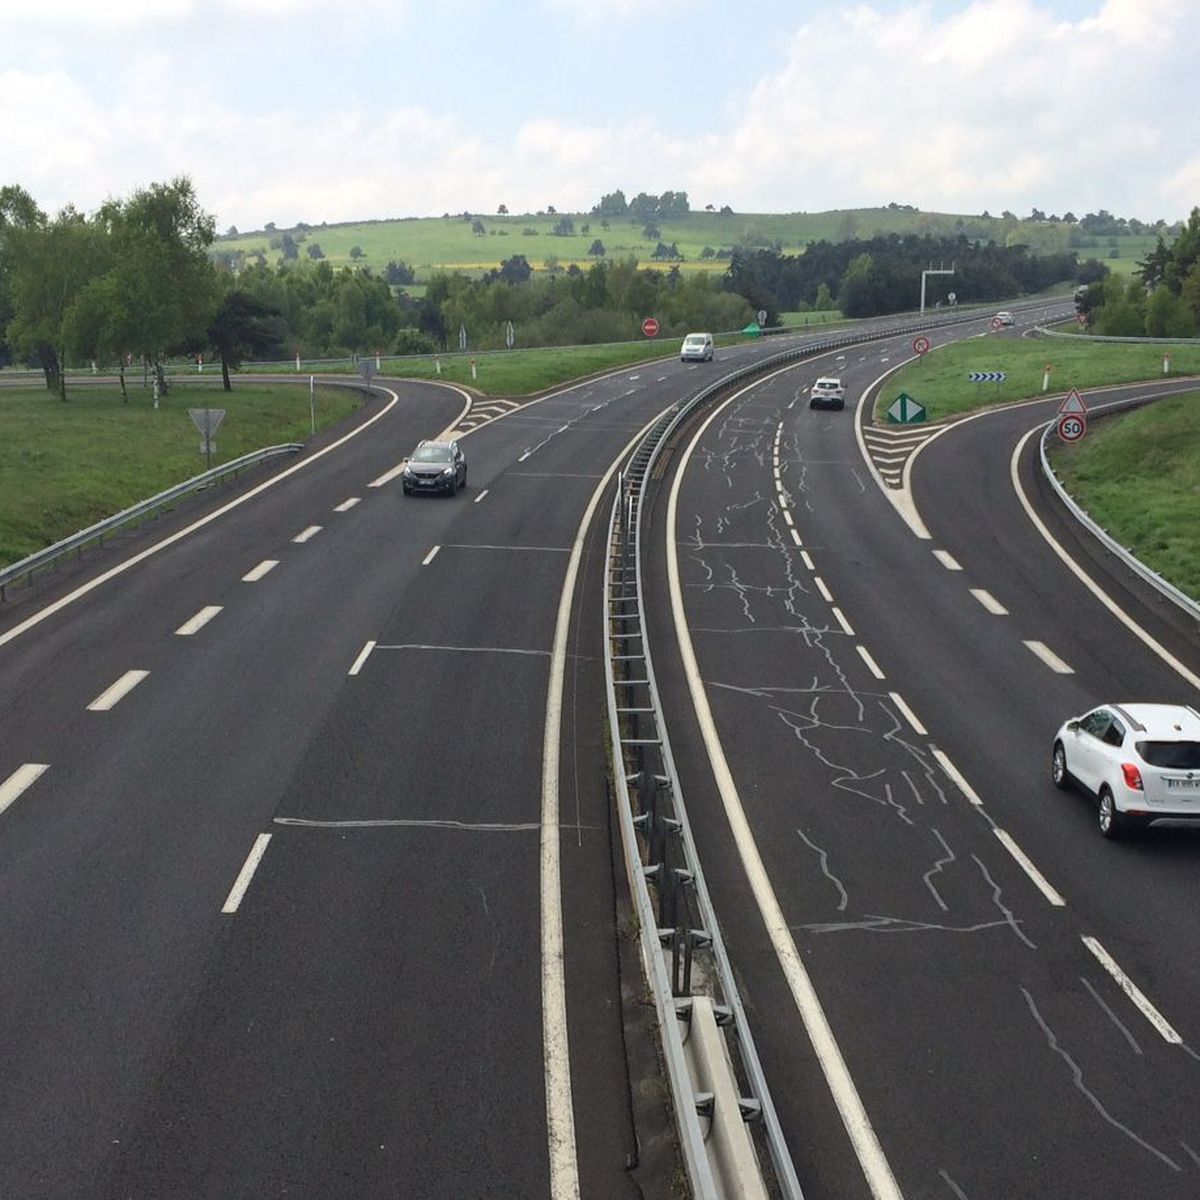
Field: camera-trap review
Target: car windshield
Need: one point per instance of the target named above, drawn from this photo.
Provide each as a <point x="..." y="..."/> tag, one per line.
<point x="431" y="454"/>
<point x="1181" y="756"/>
<point x="694" y="339"/>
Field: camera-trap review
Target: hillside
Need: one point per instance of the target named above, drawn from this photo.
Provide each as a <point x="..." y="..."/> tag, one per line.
<point x="476" y="242"/>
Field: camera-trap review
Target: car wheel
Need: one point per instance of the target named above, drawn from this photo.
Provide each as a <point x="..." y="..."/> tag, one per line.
<point x="1110" y="819"/>
<point x="1058" y="767"/>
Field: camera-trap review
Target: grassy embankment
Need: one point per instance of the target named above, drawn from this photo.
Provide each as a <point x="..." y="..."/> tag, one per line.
<point x="67" y="466"/>
<point x="1137" y="473"/>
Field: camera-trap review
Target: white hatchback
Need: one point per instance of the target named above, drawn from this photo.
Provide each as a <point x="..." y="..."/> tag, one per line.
<point x="1141" y="761"/>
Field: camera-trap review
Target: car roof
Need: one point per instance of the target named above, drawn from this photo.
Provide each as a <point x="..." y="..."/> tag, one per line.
<point x="1161" y="722"/>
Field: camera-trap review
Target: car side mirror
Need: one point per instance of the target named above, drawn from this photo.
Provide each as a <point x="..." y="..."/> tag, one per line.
<point x="1073" y="726"/>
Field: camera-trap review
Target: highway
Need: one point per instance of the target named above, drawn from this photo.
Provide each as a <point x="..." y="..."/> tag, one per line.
<point x="958" y="988"/>
<point x="307" y="871"/>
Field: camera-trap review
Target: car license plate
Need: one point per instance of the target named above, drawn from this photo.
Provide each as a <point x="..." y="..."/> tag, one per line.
<point x="1187" y="785"/>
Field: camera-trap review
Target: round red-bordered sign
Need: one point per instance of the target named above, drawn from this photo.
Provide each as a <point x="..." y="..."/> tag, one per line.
<point x="650" y="326"/>
<point x="920" y="345"/>
<point x="1071" y="427"/>
<point x="997" y="323"/>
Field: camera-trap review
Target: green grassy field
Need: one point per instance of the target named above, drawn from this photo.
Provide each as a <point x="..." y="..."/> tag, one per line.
<point x="1138" y="475"/>
<point x="939" y="380"/>
<point x="433" y="243"/>
<point x="67" y="466"/>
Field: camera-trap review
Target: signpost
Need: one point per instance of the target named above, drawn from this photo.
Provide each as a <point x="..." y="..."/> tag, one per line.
<point x="905" y="411"/>
<point x="510" y="334"/>
<point x="920" y="345"/>
<point x="650" y="326"/>
<point x="208" y="421"/>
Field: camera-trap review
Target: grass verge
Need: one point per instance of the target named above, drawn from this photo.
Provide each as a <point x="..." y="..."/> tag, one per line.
<point x="940" y="381"/>
<point x="1137" y="474"/>
<point x="66" y="466"/>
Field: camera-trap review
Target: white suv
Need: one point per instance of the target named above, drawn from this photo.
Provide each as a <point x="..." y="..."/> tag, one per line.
<point x="1142" y="761"/>
<point x="827" y="392"/>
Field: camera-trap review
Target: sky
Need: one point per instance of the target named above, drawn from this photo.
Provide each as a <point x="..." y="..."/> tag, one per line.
<point x="341" y="110"/>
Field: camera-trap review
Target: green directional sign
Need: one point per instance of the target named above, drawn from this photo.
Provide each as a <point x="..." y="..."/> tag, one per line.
<point x="905" y="410"/>
<point x="753" y="329"/>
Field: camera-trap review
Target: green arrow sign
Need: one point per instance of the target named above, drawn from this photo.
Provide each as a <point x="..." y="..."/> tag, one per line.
<point x="905" y="410"/>
<point x="753" y="329"/>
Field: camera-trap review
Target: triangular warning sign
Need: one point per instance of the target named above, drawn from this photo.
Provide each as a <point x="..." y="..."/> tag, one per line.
<point x="1073" y="403"/>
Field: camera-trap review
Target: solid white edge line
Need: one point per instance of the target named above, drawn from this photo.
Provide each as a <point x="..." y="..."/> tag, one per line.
<point x="957" y="776"/>
<point x="180" y="534"/>
<point x="307" y="534"/>
<point x="267" y="564"/>
<point x="560" y="1112"/>
<point x="117" y="691"/>
<point x="867" y="1149"/>
<point x="847" y="628"/>
<point x="910" y="716"/>
<point x="1135" y="994"/>
<point x="242" y="882"/>
<point x="872" y="665"/>
<point x="1026" y="863"/>
<point x="363" y="655"/>
<point x="481" y="495"/>
<point x="388" y="476"/>
<point x="1083" y="577"/>
<point x="989" y="602"/>
<point x="23" y="777"/>
<point x="196" y="623"/>
<point x="1048" y="656"/>
<point x="430" y="556"/>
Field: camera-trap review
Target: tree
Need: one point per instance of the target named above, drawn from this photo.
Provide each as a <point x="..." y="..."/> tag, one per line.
<point x="477" y="228"/>
<point x="356" y="252"/>
<point x="551" y="210"/>
<point x="502" y="211"/>
<point x="288" y="247"/>
<point x="612" y="205"/>
<point x="565" y="227"/>
<point x="399" y="273"/>
<point x="596" y="249"/>
<point x="315" y="252"/>
<point x="242" y="327"/>
<point x="18" y="210"/>
<point x="651" y="232"/>
<point x="515" y="270"/>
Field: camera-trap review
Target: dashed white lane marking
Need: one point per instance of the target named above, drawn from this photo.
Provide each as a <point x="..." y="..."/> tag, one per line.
<point x="847" y="628"/>
<point x="796" y="536"/>
<point x="826" y="594"/>
<point x="18" y="781"/>
<point x="958" y="777"/>
<point x="1135" y="994"/>
<point x="872" y="665"/>
<point x="989" y="602"/>
<point x="363" y="655"/>
<point x="198" y="622"/>
<point x="1026" y="864"/>
<point x="346" y="505"/>
<point x="1051" y="659"/>
<point x="806" y="559"/>
<point x="430" y="556"/>
<point x="242" y="882"/>
<point x="787" y="516"/>
<point x="388" y="476"/>
<point x="910" y="716"/>
<point x="267" y="564"/>
<point x="118" y="691"/>
<point x="947" y="560"/>
<point x="307" y="534"/>
<point x="481" y="495"/>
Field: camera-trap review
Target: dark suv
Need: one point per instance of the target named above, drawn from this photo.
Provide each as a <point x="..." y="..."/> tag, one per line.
<point x="435" y="467"/>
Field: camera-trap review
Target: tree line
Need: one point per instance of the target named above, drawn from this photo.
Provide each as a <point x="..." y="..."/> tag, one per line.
<point x="1160" y="299"/>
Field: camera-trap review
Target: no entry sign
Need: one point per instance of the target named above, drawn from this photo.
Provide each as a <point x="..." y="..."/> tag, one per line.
<point x="920" y="345"/>
<point x="650" y="326"/>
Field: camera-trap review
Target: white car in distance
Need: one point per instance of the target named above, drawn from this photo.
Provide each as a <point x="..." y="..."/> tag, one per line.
<point x="697" y="347"/>
<point x="1140" y="761"/>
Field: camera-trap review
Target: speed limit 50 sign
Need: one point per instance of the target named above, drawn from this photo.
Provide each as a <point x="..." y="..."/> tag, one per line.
<point x="1071" y="427"/>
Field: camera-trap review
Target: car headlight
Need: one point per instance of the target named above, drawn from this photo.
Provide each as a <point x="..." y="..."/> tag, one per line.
<point x="407" y="472"/>
<point x="447" y="470"/>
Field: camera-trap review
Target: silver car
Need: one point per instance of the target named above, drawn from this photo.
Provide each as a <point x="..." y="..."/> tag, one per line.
<point x="1141" y="762"/>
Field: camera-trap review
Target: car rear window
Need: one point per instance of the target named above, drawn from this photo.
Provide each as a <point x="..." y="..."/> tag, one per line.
<point x="1180" y="756"/>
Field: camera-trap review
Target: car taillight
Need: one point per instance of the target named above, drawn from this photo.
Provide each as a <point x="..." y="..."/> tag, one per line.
<point x="1133" y="777"/>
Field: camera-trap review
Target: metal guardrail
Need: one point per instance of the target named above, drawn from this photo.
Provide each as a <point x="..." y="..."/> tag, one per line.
<point x="716" y="1093"/>
<point x="1101" y="337"/>
<point x="1139" y="568"/>
<point x="96" y="533"/>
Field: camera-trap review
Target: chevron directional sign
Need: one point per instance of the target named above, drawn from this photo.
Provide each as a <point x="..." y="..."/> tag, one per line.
<point x="987" y="376"/>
